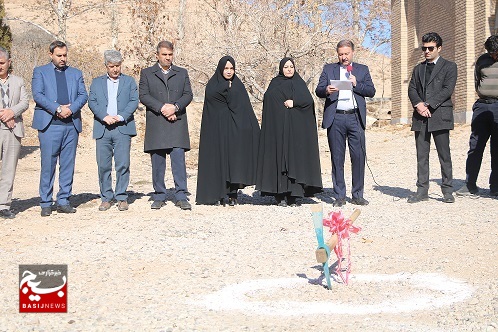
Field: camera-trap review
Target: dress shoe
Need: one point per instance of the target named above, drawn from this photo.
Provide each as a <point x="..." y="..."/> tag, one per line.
<point x="291" y="201"/>
<point x="104" y="206"/>
<point x="123" y="205"/>
<point x="359" y="201"/>
<point x="466" y="191"/>
<point x="156" y="205"/>
<point x="46" y="211"/>
<point x="448" y="198"/>
<point x="339" y="202"/>
<point x="221" y="202"/>
<point x="232" y="201"/>
<point x="281" y="200"/>
<point x="183" y="204"/>
<point x="7" y="214"/>
<point x="65" y="209"/>
<point x="417" y="198"/>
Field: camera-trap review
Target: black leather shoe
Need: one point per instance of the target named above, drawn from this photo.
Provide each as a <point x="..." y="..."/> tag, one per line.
<point x="448" y="198"/>
<point x="417" y="198"/>
<point x="46" y="211"/>
<point x="183" y="204"/>
<point x="65" y="209"/>
<point x="291" y="201"/>
<point x="339" y="202"/>
<point x="281" y="200"/>
<point x="156" y="205"/>
<point x="221" y="202"/>
<point x="7" y="214"/>
<point x="359" y="201"/>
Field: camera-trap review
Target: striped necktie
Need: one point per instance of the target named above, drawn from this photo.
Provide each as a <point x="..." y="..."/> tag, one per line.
<point x="5" y="95"/>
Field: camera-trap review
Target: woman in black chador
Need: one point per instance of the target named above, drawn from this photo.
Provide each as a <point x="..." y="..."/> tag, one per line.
<point x="228" y="147"/>
<point x="289" y="161"/>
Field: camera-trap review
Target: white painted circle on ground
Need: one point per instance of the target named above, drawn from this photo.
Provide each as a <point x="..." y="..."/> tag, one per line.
<point x="438" y="291"/>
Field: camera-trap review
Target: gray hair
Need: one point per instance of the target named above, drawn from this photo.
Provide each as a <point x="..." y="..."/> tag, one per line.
<point x="4" y="53"/>
<point x="112" y="56"/>
<point x="164" y="44"/>
<point x="345" y="43"/>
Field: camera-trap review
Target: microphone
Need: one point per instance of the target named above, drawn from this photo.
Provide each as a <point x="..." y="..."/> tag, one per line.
<point x="349" y="68"/>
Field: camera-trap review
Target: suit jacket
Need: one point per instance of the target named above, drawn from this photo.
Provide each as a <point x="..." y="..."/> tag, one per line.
<point x="127" y="100"/>
<point x="154" y="92"/>
<point x="364" y="88"/>
<point x="18" y="103"/>
<point x="438" y="95"/>
<point x="44" y="88"/>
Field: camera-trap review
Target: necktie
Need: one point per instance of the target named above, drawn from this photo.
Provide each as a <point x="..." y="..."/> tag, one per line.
<point x="5" y="95"/>
<point x="428" y="71"/>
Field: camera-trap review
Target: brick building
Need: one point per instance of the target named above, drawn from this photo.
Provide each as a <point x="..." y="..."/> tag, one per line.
<point x="464" y="26"/>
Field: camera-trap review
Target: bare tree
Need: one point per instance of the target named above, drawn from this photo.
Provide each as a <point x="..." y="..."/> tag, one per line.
<point x="368" y="20"/>
<point x="256" y="33"/>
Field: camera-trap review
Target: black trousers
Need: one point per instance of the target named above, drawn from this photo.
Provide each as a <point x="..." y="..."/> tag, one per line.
<point x="178" y="168"/>
<point x="484" y="125"/>
<point x="423" y="146"/>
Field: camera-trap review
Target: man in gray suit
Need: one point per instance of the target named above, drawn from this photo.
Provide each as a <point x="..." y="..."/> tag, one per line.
<point x="14" y="101"/>
<point x="430" y="90"/>
<point x="113" y="100"/>
<point x="165" y="91"/>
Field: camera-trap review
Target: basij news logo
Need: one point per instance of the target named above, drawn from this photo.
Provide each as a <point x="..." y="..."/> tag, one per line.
<point x="43" y="288"/>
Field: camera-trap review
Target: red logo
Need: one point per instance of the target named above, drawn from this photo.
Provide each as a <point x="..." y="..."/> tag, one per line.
<point x="43" y="288"/>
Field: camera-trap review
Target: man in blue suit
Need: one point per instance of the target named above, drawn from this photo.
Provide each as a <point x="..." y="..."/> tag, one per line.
<point x="113" y="100"/>
<point x="59" y="92"/>
<point x="344" y="118"/>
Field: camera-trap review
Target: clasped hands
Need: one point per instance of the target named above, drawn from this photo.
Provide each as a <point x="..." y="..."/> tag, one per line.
<point x="168" y="111"/>
<point x="423" y="110"/>
<point x="65" y="112"/>
<point x="111" y="119"/>
<point x="7" y="117"/>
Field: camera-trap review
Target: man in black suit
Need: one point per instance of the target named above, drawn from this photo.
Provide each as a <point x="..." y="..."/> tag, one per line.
<point x="166" y="92"/>
<point x="430" y="90"/>
<point x="344" y="117"/>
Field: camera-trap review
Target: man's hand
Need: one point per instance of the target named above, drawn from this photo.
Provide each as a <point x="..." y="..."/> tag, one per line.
<point x="330" y="89"/>
<point x="6" y="115"/>
<point x="167" y="110"/>
<point x="65" y="112"/>
<point x="423" y="110"/>
<point x="171" y="118"/>
<point x="10" y="123"/>
<point x="110" y="120"/>
<point x="352" y="78"/>
<point x="289" y="103"/>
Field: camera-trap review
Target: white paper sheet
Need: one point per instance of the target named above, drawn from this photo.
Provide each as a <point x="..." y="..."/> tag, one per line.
<point x="341" y="85"/>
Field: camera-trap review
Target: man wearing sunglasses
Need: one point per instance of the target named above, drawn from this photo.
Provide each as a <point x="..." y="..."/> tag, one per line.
<point x="430" y="89"/>
<point x="484" y="121"/>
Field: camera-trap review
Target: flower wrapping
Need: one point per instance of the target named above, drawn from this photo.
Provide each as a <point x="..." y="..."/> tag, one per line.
<point x="338" y="224"/>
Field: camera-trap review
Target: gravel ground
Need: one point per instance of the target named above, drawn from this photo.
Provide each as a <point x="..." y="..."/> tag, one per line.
<point x="429" y="266"/>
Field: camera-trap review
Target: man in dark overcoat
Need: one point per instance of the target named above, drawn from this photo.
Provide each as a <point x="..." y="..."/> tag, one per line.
<point x="430" y="89"/>
<point x="166" y="92"/>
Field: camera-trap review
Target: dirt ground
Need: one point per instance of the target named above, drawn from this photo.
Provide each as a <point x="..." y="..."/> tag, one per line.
<point x="429" y="266"/>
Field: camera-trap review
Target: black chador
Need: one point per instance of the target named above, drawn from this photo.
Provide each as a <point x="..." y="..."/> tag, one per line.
<point x="229" y="139"/>
<point x="289" y="161"/>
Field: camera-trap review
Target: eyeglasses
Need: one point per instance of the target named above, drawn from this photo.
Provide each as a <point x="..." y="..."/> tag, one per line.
<point x="430" y="48"/>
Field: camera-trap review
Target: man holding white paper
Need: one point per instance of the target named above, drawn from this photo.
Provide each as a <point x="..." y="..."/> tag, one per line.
<point x="344" y="117"/>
